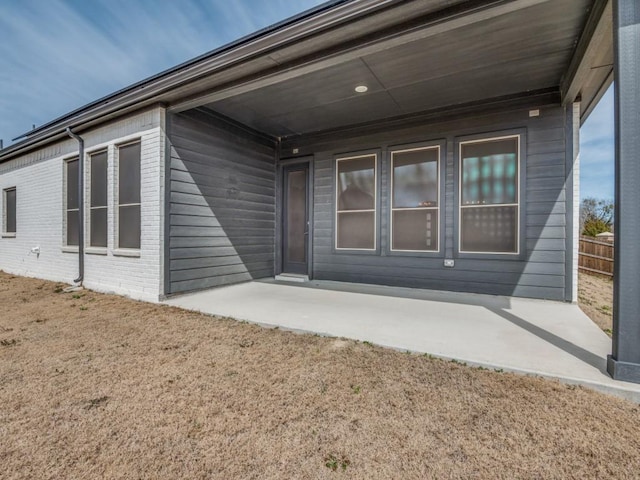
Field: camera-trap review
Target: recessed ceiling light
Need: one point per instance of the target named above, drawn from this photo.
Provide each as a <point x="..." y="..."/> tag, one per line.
<point x="362" y="88"/>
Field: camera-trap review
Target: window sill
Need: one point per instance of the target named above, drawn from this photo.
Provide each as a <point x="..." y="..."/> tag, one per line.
<point x="9" y="235"/>
<point x="416" y="253"/>
<point x="355" y="251"/>
<point x="121" y="252"/>
<point x="518" y="257"/>
<point x="96" y="250"/>
<point x="69" y="249"/>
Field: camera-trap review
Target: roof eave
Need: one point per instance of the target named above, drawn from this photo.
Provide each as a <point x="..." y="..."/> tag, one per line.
<point x="150" y="91"/>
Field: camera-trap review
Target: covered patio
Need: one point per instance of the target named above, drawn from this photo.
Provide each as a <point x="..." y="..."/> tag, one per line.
<point x="550" y="339"/>
<point x="449" y="70"/>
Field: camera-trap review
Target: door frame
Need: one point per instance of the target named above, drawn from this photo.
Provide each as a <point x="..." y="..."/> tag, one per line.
<point x="280" y="198"/>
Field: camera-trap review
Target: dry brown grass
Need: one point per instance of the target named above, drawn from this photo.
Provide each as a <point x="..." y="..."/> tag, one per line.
<point x="98" y="386"/>
<point x="595" y="297"/>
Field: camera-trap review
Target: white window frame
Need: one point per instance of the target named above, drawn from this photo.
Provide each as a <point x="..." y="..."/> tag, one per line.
<point x="5" y="233"/>
<point x="118" y="250"/>
<point x="392" y="209"/>
<point x="518" y="137"/>
<point x="89" y="207"/>
<point x="375" y="202"/>
<point x="66" y="210"/>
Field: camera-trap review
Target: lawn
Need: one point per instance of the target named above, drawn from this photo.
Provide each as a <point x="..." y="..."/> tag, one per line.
<point x="98" y="386"/>
<point x="595" y="297"/>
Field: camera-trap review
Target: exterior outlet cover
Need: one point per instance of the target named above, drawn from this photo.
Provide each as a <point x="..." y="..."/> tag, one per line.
<point x="534" y="113"/>
<point x="296" y="150"/>
<point x="449" y="262"/>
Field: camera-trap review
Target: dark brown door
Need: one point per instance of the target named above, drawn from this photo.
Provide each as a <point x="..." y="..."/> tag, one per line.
<point x="295" y="219"/>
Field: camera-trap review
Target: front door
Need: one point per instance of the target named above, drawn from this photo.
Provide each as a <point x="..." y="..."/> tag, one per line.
<point x="295" y="219"/>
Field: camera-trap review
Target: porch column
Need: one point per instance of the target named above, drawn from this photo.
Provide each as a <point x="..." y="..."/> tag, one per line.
<point x="624" y="362"/>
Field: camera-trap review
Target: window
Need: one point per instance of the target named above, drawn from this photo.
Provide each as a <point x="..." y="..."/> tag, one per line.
<point x="356" y="202"/>
<point x="489" y="213"/>
<point x="98" y="208"/>
<point x="72" y="210"/>
<point x="10" y="210"/>
<point x="129" y="196"/>
<point x="415" y="197"/>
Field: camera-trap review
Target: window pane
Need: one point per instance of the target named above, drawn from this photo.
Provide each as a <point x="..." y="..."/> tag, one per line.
<point x="99" y="180"/>
<point x="356" y="183"/>
<point x="10" y="210"/>
<point x="72" y="184"/>
<point x="490" y="172"/>
<point x="415" y="179"/>
<point x="489" y="229"/>
<point x="72" y="228"/>
<point x="129" y="227"/>
<point x="356" y="230"/>
<point x="296" y="216"/>
<point x="129" y="173"/>
<point x="99" y="227"/>
<point x="415" y="230"/>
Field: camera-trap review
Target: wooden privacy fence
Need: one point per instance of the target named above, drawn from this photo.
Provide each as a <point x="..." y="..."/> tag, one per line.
<point x="596" y="256"/>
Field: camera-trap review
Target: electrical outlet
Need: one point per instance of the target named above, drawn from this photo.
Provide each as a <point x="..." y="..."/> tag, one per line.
<point x="449" y="262"/>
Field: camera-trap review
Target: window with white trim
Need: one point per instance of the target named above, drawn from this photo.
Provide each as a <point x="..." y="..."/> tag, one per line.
<point x="489" y="195"/>
<point x="72" y="204"/>
<point x="129" y="196"/>
<point x="98" y="206"/>
<point x="356" y="200"/>
<point x="10" y="211"/>
<point x="415" y="190"/>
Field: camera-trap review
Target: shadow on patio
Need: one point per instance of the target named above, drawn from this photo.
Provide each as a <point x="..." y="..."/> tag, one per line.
<point x="550" y="339"/>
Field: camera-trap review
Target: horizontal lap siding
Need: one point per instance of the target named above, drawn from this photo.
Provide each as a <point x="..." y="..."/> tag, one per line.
<point x="222" y="204"/>
<point x="540" y="275"/>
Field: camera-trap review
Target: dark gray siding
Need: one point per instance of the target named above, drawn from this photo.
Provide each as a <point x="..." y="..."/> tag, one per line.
<point x="221" y="203"/>
<point x="538" y="272"/>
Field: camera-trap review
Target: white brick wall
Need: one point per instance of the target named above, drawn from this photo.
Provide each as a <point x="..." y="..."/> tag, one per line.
<point x="576" y="200"/>
<point x="39" y="181"/>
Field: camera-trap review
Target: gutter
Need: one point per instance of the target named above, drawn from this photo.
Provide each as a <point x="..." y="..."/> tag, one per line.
<point x="80" y="278"/>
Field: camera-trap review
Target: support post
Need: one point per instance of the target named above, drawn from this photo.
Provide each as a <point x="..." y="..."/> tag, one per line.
<point x="624" y="362"/>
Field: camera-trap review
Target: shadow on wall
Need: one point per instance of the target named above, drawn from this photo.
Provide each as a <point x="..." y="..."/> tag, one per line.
<point x="222" y="203"/>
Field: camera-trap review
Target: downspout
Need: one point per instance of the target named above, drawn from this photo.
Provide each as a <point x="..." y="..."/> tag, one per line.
<point x="80" y="278"/>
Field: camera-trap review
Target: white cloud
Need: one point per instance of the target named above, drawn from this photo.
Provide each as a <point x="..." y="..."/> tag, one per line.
<point x="58" y="55"/>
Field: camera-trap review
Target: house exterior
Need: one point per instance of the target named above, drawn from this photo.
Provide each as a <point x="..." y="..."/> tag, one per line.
<point x="428" y="144"/>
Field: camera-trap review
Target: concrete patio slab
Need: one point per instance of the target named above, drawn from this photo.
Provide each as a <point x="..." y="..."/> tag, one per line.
<point x="550" y="339"/>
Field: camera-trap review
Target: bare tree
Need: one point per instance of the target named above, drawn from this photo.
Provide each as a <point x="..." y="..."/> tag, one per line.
<point x="596" y="216"/>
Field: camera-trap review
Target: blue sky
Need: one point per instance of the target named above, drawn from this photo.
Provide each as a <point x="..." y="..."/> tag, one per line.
<point x="58" y="55"/>
<point x="597" y="150"/>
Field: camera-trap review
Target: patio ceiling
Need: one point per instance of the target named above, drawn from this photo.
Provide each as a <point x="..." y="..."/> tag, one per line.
<point x="510" y="52"/>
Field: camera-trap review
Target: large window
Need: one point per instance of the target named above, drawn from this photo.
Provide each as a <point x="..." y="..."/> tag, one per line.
<point x="356" y="202"/>
<point x="129" y="196"/>
<point x="72" y="208"/>
<point x="10" y="211"/>
<point x="415" y="199"/>
<point x="489" y="190"/>
<point x="98" y="210"/>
